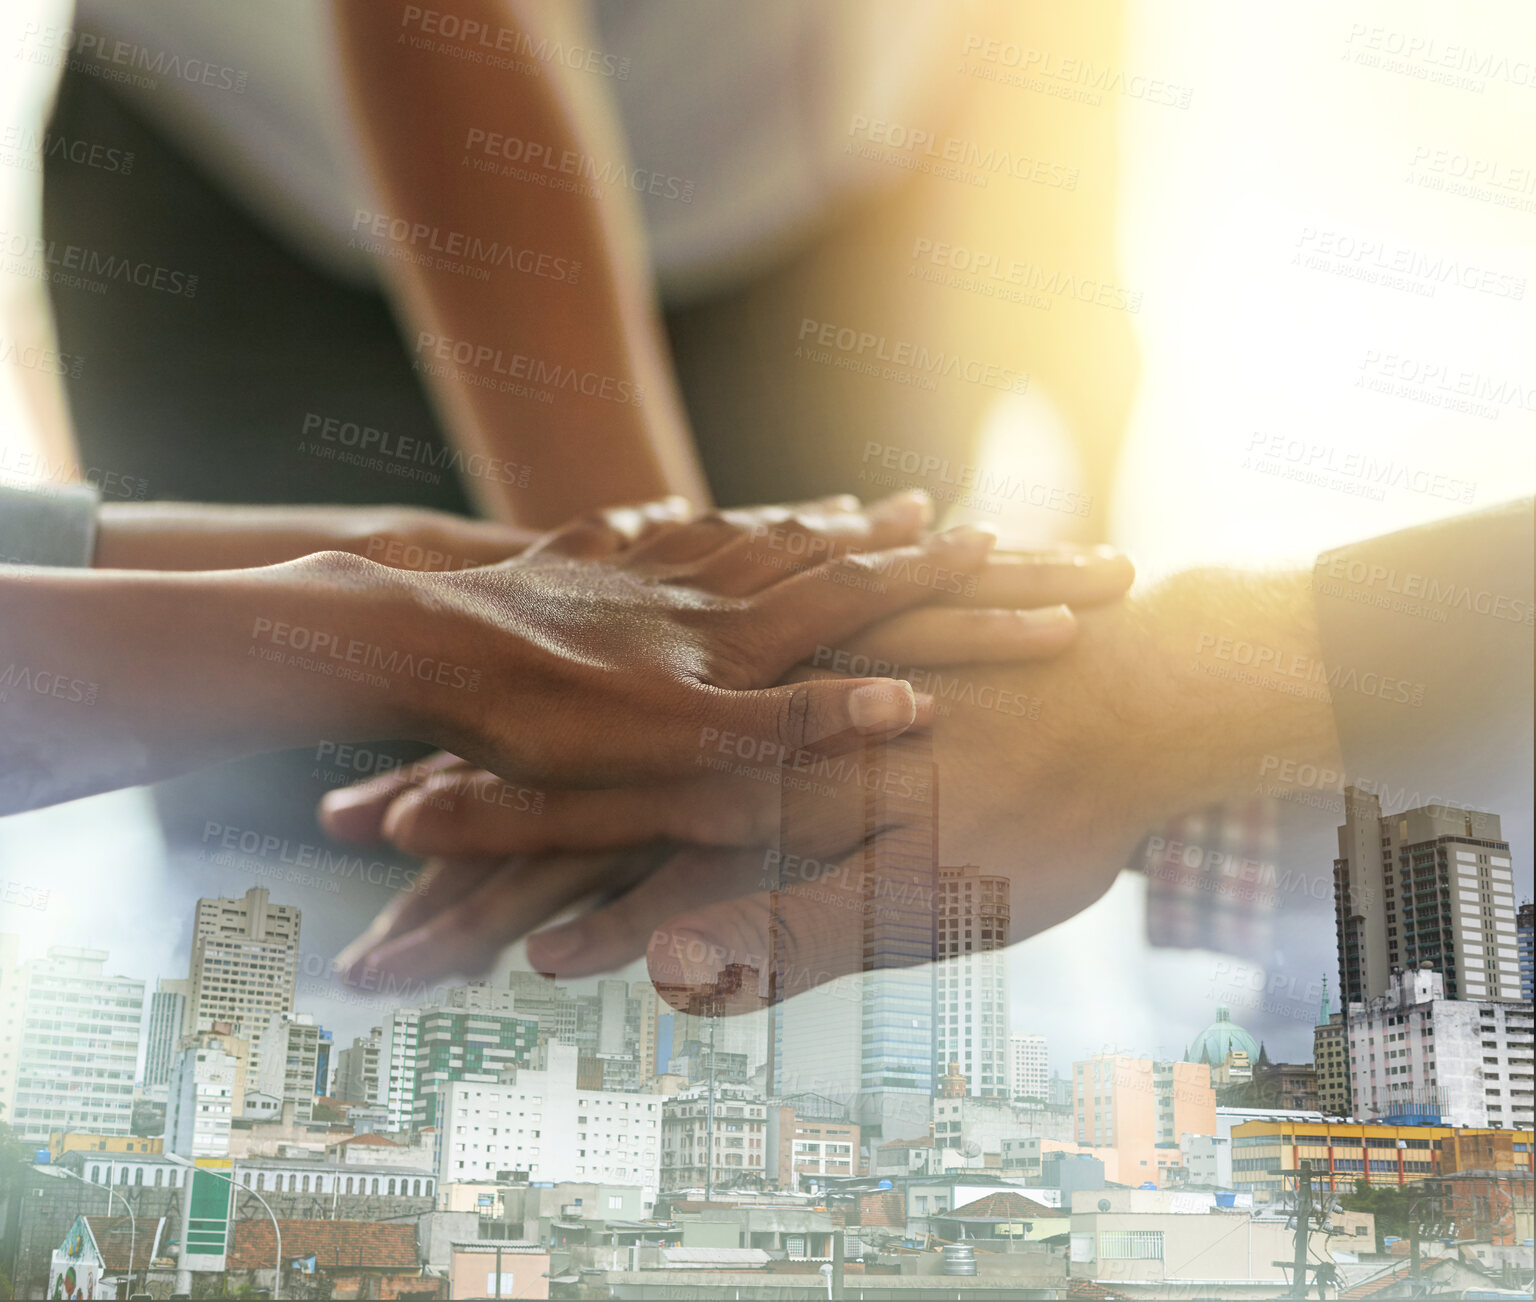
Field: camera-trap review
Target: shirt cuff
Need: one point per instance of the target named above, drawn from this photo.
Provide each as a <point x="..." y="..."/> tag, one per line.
<point x="50" y="525"/>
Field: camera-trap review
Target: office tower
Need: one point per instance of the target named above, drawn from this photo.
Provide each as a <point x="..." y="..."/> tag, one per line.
<point x="1525" y="928"/>
<point x="1137" y="1107"/>
<point x="245" y="955"/>
<point x="163" y="1030"/>
<point x="202" y="1098"/>
<point x="970" y="980"/>
<point x="13" y="998"/>
<point x="454" y="1044"/>
<point x="1419" y="1058"/>
<point x="323" y="1063"/>
<point x="79" y="1046"/>
<point x="743" y="1037"/>
<point x="287" y="1060"/>
<point x="357" y="1068"/>
<point x="1430" y="885"/>
<point x="1027" y="1068"/>
<point x="534" y="1122"/>
<point x="867" y="1040"/>
<point x="1330" y="1055"/>
<point x="400" y="1082"/>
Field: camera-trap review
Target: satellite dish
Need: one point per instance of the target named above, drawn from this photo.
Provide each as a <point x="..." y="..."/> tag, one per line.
<point x="971" y="1148"/>
<point x="1103" y="1204"/>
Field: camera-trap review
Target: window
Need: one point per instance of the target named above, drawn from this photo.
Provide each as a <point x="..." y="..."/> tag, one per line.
<point x="1131" y="1245"/>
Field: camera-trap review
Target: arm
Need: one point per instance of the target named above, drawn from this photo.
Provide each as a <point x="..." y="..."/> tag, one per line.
<point x="429" y="125"/>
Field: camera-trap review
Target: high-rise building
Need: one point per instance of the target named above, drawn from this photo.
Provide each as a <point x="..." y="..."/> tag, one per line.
<point x="970" y="981"/>
<point x="287" y="1059"/>
<point x="535" y="1123"/>
<point x="79" y="1049"/>
<point x="1137" y="1107"/>
<point x="1417" y="1057"/>
<point x="13" y="999"/>
<point x="1028" y="1068"/>
<point x="723" y="1130"/>
<point x="245" y="956"/>
<point x="1330" y="1055"/>
<point x="202" y="1098"/>
<point x="1525" y="932"/>
<point x="163" y="1030"/>
<point x="399" y="1083"/>
<point x="867" y="1041"/>
<point x="323" y="1063"/>
<point x="357" y="1068"/>
<point x="1431" y="885"/>
<point x="455" y="1044"/>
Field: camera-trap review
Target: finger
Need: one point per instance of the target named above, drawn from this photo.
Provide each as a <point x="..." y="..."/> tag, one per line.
<point x="1066" y="576"/>
<point x="518" y="896"/>
<point x="604" y="532"/>
<point x="831" y="602"/>
<point x="356" y="813"/>
<point x="457" y="816"/>
<point x="443" y="883"/>
<point x="936" y="635"/>
<point x="824" y="716"/>
<point x="620" y="931"/>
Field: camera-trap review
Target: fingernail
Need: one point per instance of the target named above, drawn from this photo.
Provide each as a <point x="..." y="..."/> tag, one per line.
<point x="913" y="507"/>
<point x="878" y="706"/>
<point x="968" y="535"/>
<point x="555" y="945"/>
<point x="1046" y="616"/>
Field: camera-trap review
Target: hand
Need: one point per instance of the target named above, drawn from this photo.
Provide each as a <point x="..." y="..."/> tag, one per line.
<point x="1129" y="732"/>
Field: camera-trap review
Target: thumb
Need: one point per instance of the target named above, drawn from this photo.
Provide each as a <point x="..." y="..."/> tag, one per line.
<point x="825" y="716"/>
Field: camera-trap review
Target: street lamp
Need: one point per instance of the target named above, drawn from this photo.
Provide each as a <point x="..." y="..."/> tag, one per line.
<point x="133" y="1221"/>
<point x="277" y="1281"/>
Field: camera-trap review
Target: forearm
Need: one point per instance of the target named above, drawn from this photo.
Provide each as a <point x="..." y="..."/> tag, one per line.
<point x="489" y="349"/>
<point x="190" y="536"/>
<point x="115" y="679"/>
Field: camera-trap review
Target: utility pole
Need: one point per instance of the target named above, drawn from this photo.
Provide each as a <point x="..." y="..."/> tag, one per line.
<point x="709" y="1115"/>
<point x="1303" y="1229"/>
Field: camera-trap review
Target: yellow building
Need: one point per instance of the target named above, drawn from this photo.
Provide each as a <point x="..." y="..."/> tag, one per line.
<point x="79" y="1141"/>
<point x="1345" y="1152"/>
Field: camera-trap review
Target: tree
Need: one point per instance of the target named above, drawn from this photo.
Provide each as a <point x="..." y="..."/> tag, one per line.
<point x="1389" y="1204"/>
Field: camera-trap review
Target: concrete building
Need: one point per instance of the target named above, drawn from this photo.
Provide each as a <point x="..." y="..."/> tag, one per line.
<point x="245" y="955"/>
<point x="535" y="1124"/>
<point x="1525" y="944"/>
<point x="970" y="982"/>
<point x="399" y="1082"/>
<point x="1207" y="1161"/>
<point x="163" y="1030"/>
<point x="357" y="1068"/>
<point x="286" y="1061"/>
<point x="1028" y="1068"/>
<point x="805" y="1150"/>
<point x="201" y="1101"/>
<point x="1431" y="885"/>
<point x="979" y="1126"/>
<point x="1330" y="1056"/>
<point x="1416" y="1055"/>
<point x="1141" y="1109"/>
<point x="1022" y="1157"/>
<point x="457" y="1044"/>
<point x="13" y="998"/>
<point x="869" y="1040"/>
<point x="1347" y="1151"/>
<point x="78" y="1049"/>
<point x="724" y="1131"/>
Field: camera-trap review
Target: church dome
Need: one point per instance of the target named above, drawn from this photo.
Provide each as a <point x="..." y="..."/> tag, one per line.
<point x="1219" y="1038"/>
